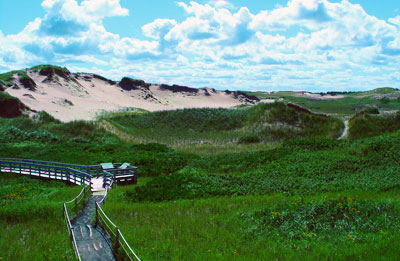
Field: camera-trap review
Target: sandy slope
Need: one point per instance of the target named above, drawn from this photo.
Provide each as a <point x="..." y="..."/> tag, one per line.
<point x="83" y="96"/>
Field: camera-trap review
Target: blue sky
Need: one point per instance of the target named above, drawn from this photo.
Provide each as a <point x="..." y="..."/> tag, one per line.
<point x="314" y="45"/>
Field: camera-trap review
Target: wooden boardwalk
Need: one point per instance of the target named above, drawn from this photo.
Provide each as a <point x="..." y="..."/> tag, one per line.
<point x="89" y="242"/>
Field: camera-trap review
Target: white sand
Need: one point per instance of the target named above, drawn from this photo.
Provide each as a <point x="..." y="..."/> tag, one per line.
<point x="90" y="97"/>
<point x="318" y="96"/>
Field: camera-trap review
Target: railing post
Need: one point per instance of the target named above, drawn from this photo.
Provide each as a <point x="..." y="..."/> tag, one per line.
<point x="97" y="214"/>
<point x="70" y="233"/>
<point x="116" y="240"/>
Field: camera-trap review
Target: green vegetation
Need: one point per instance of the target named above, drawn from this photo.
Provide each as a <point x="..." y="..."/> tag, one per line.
<point x="304" y="200"/>
<point x="39" y="68"/>
<point x="7" y="78"/>
<point x="265" y="124"/>
<point x="368" y="125"/>
<point x="344" y="104"/>
<point x="5" y="96"/>
<point x="254" y="228"/>
<point x="254" y="183"/>
<point x="32" y="225"/>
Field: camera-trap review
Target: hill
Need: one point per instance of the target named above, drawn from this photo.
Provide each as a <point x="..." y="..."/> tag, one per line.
<point x="82" y="96"/>
<point x="340" y="104"/>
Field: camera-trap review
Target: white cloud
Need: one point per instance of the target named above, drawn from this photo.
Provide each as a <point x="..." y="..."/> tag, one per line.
<point x="395" y="20"/>
<point x="306" y="42"/>
<point x="159" y="28"/>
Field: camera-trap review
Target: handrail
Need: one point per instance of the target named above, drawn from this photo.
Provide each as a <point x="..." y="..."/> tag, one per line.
<point x="101" y="215"/>
<point x="87" y="168"/>
<point x="76" y="196"/>
<point x="54" y="170"/>
<point x="63" y="171"/>
<point x="68" y="220"/>
<point x="46" y="171"/>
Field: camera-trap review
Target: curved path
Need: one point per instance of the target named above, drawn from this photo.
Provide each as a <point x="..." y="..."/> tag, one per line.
<point x="345" y="132"/>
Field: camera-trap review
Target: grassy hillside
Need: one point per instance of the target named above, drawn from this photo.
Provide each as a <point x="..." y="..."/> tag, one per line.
<point x="352" y="102"/>
<point x="201" y="130"/>
<point x="369" y="125"/>
<point x="32" y="225"/>
<point x="310" y="199"/>
<point x="280" y="187"/>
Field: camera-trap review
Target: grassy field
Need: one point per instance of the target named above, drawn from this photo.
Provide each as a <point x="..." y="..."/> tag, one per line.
<point x="32" y="225"/>
<point x="210" y="131"/>
<point x="309" y="199"/>
<point x="362" y="225"/>
<point x="385" y="99"/>
<point x="255" y="183"/>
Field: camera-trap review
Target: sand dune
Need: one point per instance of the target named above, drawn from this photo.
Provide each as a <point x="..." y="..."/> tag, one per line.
<point x="68" y="96"/>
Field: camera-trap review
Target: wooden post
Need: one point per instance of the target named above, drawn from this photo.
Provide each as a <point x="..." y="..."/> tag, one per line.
<point x="97" y="213"/>
<point x="116" y="239"/>
<point x="70" y="233"/>
<point x="76" y="204"/>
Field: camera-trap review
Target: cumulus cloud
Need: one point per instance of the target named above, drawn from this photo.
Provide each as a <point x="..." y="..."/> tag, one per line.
<point x="325" y="42"/>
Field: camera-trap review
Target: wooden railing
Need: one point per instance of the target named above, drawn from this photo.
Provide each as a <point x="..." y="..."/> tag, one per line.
<point x="118" y="240"/>
<point x="57" y="171"/>
<point x="50" y="171"/>
<point x="77" y="204"/>
<point x="80" y="175"/>
<point x="74" y="173"/>
<point x="89" y="169"/>
<point x="126" y="175"/>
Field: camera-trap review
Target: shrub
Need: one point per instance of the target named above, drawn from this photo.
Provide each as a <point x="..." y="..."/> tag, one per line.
<point x="249" y="139"/>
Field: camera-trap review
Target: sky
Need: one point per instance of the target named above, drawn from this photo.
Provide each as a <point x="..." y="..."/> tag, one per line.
<point x="313" y="45"/>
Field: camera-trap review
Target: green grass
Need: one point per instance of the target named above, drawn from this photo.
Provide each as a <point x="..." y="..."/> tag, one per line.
<point x="350" y="104"/>
<point x="255" y="183"/>
<point x="7" y="78"/>
<point x="368" y="125"/>
<point x="5" y="96"/>
<point x="33" y="227"/>
<point x="250" y="228"/>
<point x="38" y="68"/>
<point x="202" y="129"/>
<point x="309" y="199"/>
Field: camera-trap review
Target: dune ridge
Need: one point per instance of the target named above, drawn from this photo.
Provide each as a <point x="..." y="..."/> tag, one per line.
<point x="82" y="96"/>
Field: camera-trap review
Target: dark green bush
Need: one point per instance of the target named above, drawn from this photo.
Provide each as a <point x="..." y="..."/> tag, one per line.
<point x="249" y="139"/>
